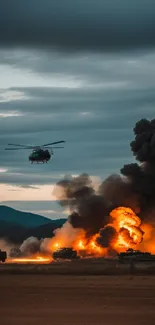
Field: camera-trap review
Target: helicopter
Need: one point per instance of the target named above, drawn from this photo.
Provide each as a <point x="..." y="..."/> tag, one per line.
<point x="40" y="154"/>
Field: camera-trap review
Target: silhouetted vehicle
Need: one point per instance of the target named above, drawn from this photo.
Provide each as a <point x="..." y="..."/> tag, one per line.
<point x="65" y="253"/>
<point x="41" y="153"/>
<point x="3" y="256"/>
<point x="137" y="255"/>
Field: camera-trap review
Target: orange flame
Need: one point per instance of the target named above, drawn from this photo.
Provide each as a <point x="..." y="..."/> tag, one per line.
<point x="33" y="259"/>
<point x="89" y="247"/>
<point x="129" y="233"/>
<point x="148" y="243"/>
<point x="126" y="223"/>
<point x="128" y="227"/>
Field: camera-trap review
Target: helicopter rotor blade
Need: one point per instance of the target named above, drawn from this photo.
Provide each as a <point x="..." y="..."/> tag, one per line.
<point x="20" y="145"/>
<point x="32" y="148"/>
<point x="54" y="147"/>
<point x="48" y="144"/>
<point x="16" y="148"/>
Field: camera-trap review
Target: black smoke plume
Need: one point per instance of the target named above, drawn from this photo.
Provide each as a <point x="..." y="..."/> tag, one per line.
<point x="135" y="188"/>
<point x="88" y="208"/>
<point x="142" y="175"/>
<point x="106" y="236"/>
<point x="101" y="25"/>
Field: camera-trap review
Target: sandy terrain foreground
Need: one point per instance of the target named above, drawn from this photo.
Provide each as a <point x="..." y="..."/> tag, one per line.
<point x="76" y="300"/>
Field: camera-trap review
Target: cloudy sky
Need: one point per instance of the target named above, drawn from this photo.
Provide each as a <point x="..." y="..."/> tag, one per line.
<point x="75" y="72"/>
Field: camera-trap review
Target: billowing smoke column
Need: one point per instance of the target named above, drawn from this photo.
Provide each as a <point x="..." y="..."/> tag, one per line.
<point x="142" y="177"/>
<point x="100" y="213"/>
<point x="135" y="189"/>
<point x="106" y="236"/>
<point x="30" y="246"/>
<point x="89" y="209"/>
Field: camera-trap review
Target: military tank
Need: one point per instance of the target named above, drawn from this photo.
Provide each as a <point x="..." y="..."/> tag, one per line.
<point x="65" y="253"/>
<point x="137" y="255"/>
<point x="3" y="256"/>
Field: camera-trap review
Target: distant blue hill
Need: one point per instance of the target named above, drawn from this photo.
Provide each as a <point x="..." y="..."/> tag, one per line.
<point x="16" y="226"/>
<point x="27" y="219"/>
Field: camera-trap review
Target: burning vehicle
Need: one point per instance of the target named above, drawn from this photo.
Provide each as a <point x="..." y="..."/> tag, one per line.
<point x="137" y="255"/>
<point x="65" y="253"/>
<point x="3" y="256"/>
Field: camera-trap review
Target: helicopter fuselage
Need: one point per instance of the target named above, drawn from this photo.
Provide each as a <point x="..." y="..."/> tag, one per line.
<point x="40" y="155"/>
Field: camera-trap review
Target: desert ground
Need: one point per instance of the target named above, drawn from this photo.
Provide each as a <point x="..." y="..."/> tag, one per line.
<point x="77" y="300"/>
<point x="90" y="266"/>
<point x="83" y="292"/>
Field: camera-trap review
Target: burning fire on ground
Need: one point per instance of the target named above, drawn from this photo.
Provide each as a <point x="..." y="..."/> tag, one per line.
<point x="125" y="231"/>
<point x="33" y="259"/>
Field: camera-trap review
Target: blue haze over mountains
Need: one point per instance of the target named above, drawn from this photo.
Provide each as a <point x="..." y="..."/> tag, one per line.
<point x="16" y="226"/>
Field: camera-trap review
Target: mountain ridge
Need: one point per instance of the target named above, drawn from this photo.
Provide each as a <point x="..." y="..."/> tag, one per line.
<point x="16" y="226"/>
<point x="26" y="219"/>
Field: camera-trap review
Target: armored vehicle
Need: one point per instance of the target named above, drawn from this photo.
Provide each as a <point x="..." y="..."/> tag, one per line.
<point x="3" y="256"/>
<point x="137" y="255"/>
<point x="65" y="253"/>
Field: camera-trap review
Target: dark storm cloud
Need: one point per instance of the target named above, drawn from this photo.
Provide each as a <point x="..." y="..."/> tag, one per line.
<point x="59" y="122"/>
<point x="79" y="104"/>
<point x="90" y="68"/>
<point x="86" y="25"/>
<point x="113" y="65"/>
<point x="58" y="101"/>
<point x="72" y="110"/>
<point x="95" y="119"/>
<point x="86" y="108"/>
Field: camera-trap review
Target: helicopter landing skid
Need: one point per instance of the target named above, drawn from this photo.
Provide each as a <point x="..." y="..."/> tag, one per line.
<point x="39" y="162"/>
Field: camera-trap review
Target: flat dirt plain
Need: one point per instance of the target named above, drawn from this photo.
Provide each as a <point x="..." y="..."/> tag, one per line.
<point x="49" y="299"/>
